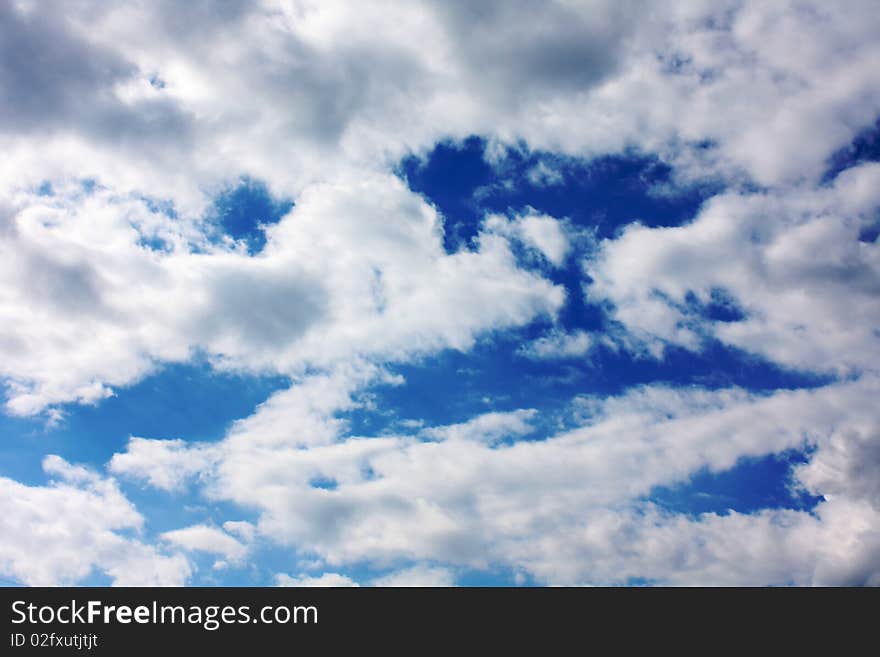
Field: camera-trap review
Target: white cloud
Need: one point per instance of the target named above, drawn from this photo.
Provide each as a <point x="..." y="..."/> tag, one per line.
<point x="417" y="576"/>
<point x="543" y="234"/>
<point x="562" y="508"/>
<point x="240" y="528"/>
<point x="295" y="94"/>
<point x="543" y="175"/>
<point x="324" y="580"/>
<point x="772" y="547"/>
<point x="791" y="259"/>
<point x="78" y="525"/>
<point x="204" y="538"/>
<point x="488" y="428"/>
<point x="164" y="464"/>
<point x="338" y="281"/>
<point x="558" y="344"/>
<point x="847" y="466"/>
<point x="320" y="101"/>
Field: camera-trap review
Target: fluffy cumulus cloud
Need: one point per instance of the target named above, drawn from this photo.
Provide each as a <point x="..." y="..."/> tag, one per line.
<point x="357" y="269"/>
<point x="80" y="522"/>
<point x="122" y="123"/>
<point x="325" y="580"/>
<point x="464" y="496"/>
<point x="207" y="539"/>
<point x="543" y="234"/>
<point x="789" y="262"/>
<point x="558" y="344"/>
<point x="417" y="576"/>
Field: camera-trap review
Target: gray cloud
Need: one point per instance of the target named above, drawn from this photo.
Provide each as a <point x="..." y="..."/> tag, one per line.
<point x="53" y="80"/>
<point x="526" y="50"/>
<point x="49" y="76"/>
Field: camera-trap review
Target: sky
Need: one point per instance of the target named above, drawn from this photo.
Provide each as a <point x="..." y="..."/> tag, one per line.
<point x="440" y="293"/>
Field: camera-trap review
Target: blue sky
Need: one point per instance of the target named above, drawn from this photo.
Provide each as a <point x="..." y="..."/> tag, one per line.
<point x="336" y="307"/>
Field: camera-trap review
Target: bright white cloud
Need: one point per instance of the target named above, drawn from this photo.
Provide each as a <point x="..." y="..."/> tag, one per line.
<point x="295" y="93"/>
<point x="170" y="462"/>
<point x="541" y="233"/>
<point x="489" y="428"/>
<point x="338" y="280"/>
<point x="792" y="260"/>
<point x="477" y="501"/>
<point x="558" y="344"/>
<point x="417" y="576"/>
<point x="79" y="524"/>
<point x="776" y="547"/>
<point x="204" y="538"/>
<point x="545" y="175"/>
<point x="324" y="580"/>
<point x="319" y="101"/>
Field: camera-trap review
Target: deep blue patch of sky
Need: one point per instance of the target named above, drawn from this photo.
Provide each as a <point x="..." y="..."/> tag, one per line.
<point x="600" y="196"/>
<point x="188" y="401"/>
<point x="751" y="485"/>
<point x="240" y="211"/>
<point x="603" y="195"/>
<point x="452" y="386"/>
<point x="865" y="147"/>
